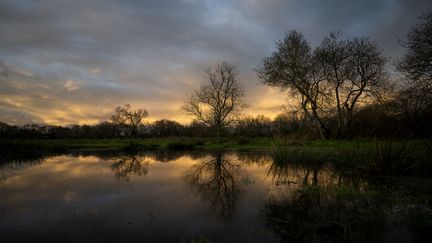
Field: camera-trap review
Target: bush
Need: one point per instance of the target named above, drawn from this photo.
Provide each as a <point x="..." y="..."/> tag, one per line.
<point x="391" y="158"/>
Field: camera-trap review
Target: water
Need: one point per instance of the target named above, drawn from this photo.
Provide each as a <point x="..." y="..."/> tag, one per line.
<point x="166" y="196"/>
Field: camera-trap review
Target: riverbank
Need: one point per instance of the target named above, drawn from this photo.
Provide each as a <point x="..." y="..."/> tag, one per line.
<point x="239" y="143"/>
<point x="366" y="157"/>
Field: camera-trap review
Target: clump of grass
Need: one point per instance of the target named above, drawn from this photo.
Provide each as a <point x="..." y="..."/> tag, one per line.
<point x="299" y="156"/>
<point x="377" y="158"/>
<point x="280" y="155"/>
<point x="279" y="168"/>
<point x="392" y="158"/>
<point x="285" y="160"/>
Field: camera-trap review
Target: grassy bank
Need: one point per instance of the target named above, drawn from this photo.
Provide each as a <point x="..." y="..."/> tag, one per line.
<point x="369" y="157"/>
<point x="240" y="143"/>
<point x="394" y="158"/>
<point x="163" y="143"/>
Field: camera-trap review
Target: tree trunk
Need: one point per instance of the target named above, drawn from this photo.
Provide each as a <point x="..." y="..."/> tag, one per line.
<point x="339" y="111"/>
<point x="347" y="124"/>
<point x="324" y="131"/>
<point x="217" y="131"/>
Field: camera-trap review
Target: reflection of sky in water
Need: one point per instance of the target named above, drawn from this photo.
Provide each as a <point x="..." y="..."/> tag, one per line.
<point x="82" y="198"/>
<point x="167" y="196"/>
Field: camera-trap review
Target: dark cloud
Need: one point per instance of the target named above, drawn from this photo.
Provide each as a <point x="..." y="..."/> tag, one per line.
<point x="73" y="61"/>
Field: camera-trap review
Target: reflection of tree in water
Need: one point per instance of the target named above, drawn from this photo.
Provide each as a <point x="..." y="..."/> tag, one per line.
<point x="254" y="157"/>
<point x="12" y="167"/>
<point x="160" y="155"/>
<point x="15" y="156"/>
<point x="164" y="155"/>
<point x="130" y="164"/>
<point x="216" y="181"/>
<point x="322" y="206"/>
<point x="296" y="173"/>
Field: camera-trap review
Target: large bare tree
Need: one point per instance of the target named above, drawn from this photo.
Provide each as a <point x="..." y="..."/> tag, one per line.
<point x="355" y="70"/>
<point x="127" y="116"/>
<point x="292" y="67"/>
<point x="330" y="80"/>
<point x="219" y="101"/>
<point x="416" y="64"/>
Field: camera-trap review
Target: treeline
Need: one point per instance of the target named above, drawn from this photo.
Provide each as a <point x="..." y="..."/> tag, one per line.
<point x="407" y="115"/>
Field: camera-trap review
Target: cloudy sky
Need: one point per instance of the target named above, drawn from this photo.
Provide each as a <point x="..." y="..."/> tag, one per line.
<point x="64" y="62"/>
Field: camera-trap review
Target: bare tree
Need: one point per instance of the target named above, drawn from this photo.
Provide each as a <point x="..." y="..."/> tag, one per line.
<point x="332" y="79"/>
<point x="292" y="67"/>
<point x="219" y="101"/>
<point x="368" y="81"/>
<point x="128" y="117"/>
<point x="355" y="69"/>
<point x="417" y="62"/>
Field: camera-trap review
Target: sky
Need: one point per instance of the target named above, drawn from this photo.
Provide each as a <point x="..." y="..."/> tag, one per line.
<point x="72" y="62"/>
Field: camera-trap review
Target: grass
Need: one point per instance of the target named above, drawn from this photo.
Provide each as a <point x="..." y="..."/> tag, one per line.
<point x="234" y="143"/>
<point x="174" y="143"/>
<point x="345" y="213"/>
<point x="394" y="158"/>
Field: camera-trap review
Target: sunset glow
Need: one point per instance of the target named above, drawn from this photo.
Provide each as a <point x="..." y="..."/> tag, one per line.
<point x="73" y="62"/>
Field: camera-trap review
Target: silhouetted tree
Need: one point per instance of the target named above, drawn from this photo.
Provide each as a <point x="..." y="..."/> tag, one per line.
<point x="104" y="130"/>
<point x="166" y="127"/>
<point x="128" y="117"/>
<point x="417" y="62"/>
<point x="414" y="105"/>
<point x="286" y="123"/>
<point x="219" y="101"/>
<point x="196" y="129"/>
<point x="292" y="67"/>
<point x="354" y="68"/>
<point x="336" y="76"/>
<point x="258" y="126"/>
<point x="6" y="130"/>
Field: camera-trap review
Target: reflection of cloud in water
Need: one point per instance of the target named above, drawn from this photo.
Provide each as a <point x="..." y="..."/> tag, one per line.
<point x="80" y="194"/>
<point x="69" y="196"/>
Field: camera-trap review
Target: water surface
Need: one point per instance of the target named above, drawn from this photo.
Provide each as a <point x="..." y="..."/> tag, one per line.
<point x="166" y="196"/>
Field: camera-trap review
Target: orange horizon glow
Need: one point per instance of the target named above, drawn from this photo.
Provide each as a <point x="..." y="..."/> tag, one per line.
<point x="269" y="103"/>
